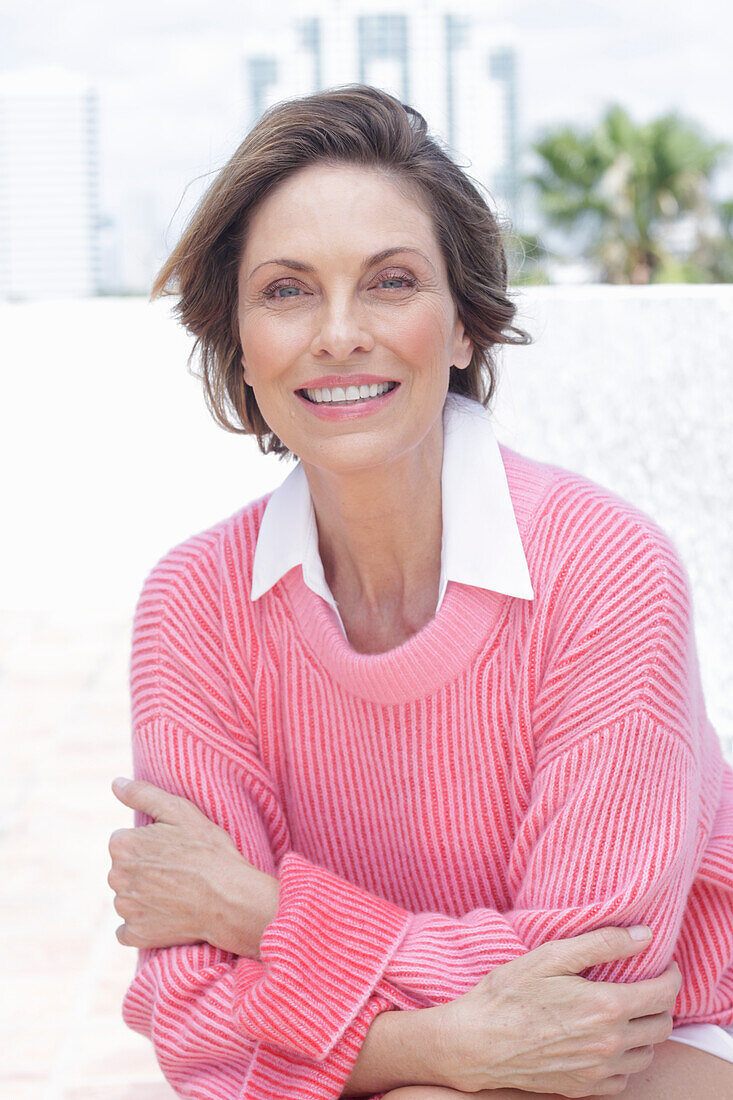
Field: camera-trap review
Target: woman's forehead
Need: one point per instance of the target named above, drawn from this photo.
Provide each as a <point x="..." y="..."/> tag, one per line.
<point x="346" y="177"/>
<point x="358" y="210"/>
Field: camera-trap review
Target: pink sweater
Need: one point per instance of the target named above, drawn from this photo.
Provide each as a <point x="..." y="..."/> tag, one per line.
<point x="519" y="771"/>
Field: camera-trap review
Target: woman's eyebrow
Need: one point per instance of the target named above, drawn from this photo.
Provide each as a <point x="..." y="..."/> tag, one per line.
<point x="298" y="265"/>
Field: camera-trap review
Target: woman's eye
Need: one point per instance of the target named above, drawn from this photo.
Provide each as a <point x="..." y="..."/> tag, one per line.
<point x="283" y="291"/>
<point x="398" y="277"/>
<point x="274" y="291"/>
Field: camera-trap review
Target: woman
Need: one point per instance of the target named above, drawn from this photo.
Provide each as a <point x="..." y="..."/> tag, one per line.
<point x="422" y="729"/>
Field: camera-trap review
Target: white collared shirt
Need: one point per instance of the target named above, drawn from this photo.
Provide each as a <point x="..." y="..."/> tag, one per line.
<point x="481" y="544"/>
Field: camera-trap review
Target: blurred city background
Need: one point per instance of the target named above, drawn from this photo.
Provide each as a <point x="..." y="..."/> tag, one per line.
<point x="602" y="129"/>
<point x="602" y="133"/>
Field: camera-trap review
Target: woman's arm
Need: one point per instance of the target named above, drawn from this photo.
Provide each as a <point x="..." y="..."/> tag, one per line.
<point x="192" y="737"/>
<point x="627" y="770"/>
<point x="336" y="956"/>
<point x="400" y="1048"/>
<point x="185" y="999"/>
<point x="182" y="880"/>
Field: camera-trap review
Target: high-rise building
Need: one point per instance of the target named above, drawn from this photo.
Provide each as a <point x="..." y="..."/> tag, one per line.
<point x="458" y="69"/>
<point x="49" y="217"/>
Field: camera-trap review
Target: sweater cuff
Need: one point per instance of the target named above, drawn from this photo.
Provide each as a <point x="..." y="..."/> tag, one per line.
<point x="322" y="957"/>
<point x="275" y="1073"/>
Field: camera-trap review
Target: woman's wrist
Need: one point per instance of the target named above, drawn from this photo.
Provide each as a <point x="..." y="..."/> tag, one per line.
<point x="265" y="900"/>
<point x="402" y="1047"/>
<point x="240" y="919"/>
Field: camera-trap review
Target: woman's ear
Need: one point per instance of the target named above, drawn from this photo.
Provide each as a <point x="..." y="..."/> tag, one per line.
<point x="463" y="359"/>
<point x="245" y="372"/>
<point x="462" y="348"/>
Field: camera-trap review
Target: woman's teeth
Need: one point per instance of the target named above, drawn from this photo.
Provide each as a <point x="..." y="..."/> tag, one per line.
<point x="344" y="395"/>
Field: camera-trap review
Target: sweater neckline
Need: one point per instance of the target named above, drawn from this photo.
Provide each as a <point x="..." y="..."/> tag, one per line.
<point x="467" y="619"/>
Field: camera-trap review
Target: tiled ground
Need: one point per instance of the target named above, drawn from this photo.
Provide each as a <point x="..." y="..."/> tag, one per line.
<point x="65" y="736"/>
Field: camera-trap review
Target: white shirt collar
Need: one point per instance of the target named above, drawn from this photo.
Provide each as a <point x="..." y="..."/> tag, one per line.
<point x="481" y="542"/>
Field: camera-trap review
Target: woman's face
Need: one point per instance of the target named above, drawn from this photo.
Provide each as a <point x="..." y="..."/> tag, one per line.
<point x="320" y="308"/>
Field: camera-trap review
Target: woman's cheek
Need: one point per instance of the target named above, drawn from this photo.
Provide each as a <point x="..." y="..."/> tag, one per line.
<point x="420" y="336"/>
<point x="270" y="348"/>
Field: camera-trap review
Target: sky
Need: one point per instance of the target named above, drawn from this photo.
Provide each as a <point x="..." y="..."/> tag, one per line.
<point x="169" y="73"/>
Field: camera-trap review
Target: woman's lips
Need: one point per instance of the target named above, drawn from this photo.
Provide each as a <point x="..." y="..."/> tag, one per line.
<point x="343" y="380"/>
<point x="328" y="410"/>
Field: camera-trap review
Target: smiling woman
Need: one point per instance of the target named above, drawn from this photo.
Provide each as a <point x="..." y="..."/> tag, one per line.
<point x="373" y="150"/>
<point x="347" y="309"/>
<point x="394" y="687"/>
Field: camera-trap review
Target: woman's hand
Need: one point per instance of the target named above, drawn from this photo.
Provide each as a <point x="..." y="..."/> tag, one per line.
<point x="182" y="879"/>
<point x="533" y="1024"/>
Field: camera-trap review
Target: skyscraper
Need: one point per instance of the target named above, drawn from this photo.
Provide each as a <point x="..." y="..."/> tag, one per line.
<point x="48" y="184"/>
<point x="459" y="69"/>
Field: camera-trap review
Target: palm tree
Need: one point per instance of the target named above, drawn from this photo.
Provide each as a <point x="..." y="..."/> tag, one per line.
<point x="713" y="252"/>
<point x="626" y="186"/>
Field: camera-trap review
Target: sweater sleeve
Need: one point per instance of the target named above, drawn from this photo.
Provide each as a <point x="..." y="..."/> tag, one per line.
<point x="617" y="813"/>
<point x="184" y="998"/>
<point x="190" y="737"/>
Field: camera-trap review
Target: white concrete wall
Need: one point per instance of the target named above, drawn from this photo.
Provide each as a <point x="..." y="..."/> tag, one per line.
<point x="110" y="456"/>
<point x="633" y="387"/>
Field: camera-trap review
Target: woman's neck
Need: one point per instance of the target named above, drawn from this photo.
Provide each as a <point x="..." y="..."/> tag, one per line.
<point x="380" y="533"/>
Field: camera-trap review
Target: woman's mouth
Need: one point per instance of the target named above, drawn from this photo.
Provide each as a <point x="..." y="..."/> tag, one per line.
<point x="346" y="403"/>
<point x="346" y="395"/>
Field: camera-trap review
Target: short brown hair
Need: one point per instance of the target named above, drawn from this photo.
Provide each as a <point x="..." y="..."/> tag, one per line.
<point x="353" y="124"/>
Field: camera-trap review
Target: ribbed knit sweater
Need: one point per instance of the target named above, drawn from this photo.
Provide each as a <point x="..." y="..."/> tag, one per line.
<point x="518" y="771"/>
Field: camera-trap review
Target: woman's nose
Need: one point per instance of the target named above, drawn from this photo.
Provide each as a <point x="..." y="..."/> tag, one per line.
<point x="341" y="331"/>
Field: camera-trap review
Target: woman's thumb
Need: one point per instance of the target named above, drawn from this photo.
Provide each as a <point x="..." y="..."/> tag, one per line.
<point x="602" y="945"/>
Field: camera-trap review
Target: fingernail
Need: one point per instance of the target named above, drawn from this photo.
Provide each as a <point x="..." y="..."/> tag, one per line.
<point x="640" y="932"/>
<point x="120" y="783"/>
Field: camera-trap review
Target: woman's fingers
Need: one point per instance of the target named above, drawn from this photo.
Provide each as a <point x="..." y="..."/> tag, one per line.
<point x="577" y="953"/>
<point x="649" y="1029"/>
<point x="649" y="996"/>
<point x="161" y="805"/>
<point x="636" y="1060"/>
